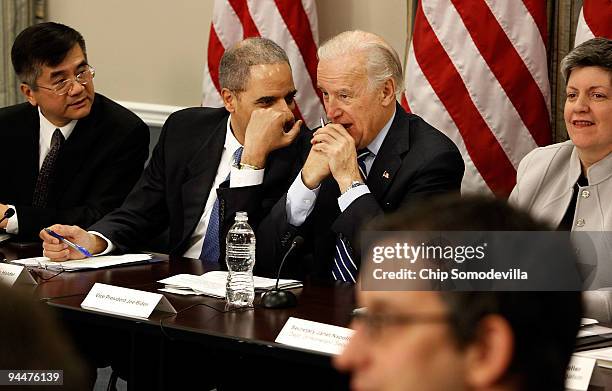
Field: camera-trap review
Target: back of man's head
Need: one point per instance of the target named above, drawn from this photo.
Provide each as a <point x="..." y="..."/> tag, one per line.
<point x="43" y="44"/>
<point x="234" y="68"/>
<point x="543" y="324"/>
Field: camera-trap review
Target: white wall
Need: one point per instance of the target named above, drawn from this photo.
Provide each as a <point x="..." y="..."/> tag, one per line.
<point x="153" y="51"/>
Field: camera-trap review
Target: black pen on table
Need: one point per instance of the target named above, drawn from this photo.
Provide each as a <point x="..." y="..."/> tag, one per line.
<point x="75" y="246"/>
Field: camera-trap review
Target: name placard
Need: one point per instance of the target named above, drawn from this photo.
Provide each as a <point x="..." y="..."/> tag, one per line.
<point x="578" y="374"/>
<point x="316" y="336"/>
<point x="124" y="301"/>
<point x="15" y="274"/>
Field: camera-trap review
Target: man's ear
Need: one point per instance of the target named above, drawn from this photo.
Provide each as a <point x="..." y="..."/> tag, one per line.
<point x="229" y="100"/>
<point x="27" y="91"/>
<point x="387" y="92"/>
<point x="489" y="356"/>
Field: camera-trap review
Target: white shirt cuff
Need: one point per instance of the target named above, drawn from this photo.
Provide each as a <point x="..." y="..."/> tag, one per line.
<point x="246" y="177"/>
<point x="346" y="199"/>
<point x="300" y="201"/>
<point x="109" y="245"/>
<point x="12" y="224"/>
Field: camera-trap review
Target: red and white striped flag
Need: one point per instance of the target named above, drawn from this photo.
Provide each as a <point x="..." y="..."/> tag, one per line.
<point x="595" y="20"/>
<point x="290" y="23"/>
<point x="477" y="71"/>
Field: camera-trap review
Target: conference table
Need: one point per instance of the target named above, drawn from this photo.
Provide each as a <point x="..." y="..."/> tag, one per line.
<point x="202" y="323"/>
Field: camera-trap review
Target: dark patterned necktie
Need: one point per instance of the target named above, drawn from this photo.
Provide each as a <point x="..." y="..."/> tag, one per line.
<point x="344" y="268"/>
<point x="47" y="171"/>
<point x="210" y="247"/>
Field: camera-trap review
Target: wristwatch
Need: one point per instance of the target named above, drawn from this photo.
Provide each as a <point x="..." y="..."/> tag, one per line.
<point x="353" y="185"/>
<point x="241" y="166"/>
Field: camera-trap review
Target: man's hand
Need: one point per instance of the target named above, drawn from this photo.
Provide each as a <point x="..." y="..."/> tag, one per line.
<point x="268" y="129"/>
<point x="57" y="251"/>
<point x="339" y="147"/>
<point x="315" y="169"/>
<point x="3" y="209"/>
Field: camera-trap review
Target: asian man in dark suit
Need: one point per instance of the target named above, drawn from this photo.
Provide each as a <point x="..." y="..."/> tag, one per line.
<point x="208" y="164"/>
<point x="70" y="155"/>
<point x="371" y="159"/>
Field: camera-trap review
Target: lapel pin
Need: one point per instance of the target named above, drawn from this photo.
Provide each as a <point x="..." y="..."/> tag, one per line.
<point x="385" y="175"/>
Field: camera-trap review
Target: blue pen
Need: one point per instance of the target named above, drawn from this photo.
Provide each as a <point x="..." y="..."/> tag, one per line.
<point x="75" y="246"/>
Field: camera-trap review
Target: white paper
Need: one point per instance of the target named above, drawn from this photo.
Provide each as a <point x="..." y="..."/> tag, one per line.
<point x="125" y="301"/>
<point x="595" y="329"/>
<point x="587" y="321"/>
<point x="12" y="274"/>
<point x="578" y="374"/>
<point x="179" y="291"/>
<point x="263" y="283"/>
<point x="602" y="355"/>
<point x="86" y="263"/>
<point x="213" y="283"/>
<point x="315" y="336"/>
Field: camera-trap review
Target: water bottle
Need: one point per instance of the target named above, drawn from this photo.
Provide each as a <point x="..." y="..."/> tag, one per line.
<point x="240" y="259"/>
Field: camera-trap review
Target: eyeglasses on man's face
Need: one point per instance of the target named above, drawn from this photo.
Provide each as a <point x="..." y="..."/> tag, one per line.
<point x="63" y="87"/>
<point x="375" y="323"/>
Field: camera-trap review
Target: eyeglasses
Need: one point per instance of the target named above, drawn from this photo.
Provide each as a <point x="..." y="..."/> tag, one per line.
<point x="375" y="323"/>
<point x="65" y="86"/>
<point x="36" y="271"/>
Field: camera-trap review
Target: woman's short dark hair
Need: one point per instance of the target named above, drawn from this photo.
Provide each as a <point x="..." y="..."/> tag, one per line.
<point x="43" y="44"/>
<point x="596" y="52"/>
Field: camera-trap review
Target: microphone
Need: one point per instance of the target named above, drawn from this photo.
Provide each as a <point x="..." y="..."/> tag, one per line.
<point x="8" y="214"/>
<point x="276" y="298"/>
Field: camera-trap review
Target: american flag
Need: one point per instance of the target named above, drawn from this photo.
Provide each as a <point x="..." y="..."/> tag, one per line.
<point x="477" y="70"/>
<point x="595" y="20"/>
<point x="290" y="23"/>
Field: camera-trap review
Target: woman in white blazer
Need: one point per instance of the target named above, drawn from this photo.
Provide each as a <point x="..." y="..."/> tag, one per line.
<point x="569" y="184"/>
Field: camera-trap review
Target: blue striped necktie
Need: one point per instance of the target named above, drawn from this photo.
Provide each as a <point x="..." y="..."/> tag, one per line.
<point x="210" y="248"/>
<point x="344" y="268"/>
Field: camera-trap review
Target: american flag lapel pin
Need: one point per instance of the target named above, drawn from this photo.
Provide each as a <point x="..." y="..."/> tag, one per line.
<point x="385" y="175"/>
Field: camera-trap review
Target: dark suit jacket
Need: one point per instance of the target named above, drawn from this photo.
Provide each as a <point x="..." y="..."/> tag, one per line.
<point x="174" y="187"/>
<point x="96" y="168"/>
<point x="414" y="161"/>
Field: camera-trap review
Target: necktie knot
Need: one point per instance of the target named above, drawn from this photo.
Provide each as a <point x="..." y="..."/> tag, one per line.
<point x="237" y="155"/>
<point x="57" y="139"/>
<point x="362" y="155"/>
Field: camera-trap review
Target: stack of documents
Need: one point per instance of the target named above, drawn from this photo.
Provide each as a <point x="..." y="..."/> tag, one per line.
<point x="213" y="284"/>
<point x="84" y="264"/>
<point x="592" y="335"/>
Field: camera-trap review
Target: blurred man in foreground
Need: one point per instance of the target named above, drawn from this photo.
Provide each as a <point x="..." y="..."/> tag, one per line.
<point x="428" y="340"/>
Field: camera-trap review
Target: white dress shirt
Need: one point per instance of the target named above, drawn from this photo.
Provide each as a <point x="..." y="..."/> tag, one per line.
<point x="44" y="145"/>
<point x="238" y="178"/>
<point x="300" y="199"/>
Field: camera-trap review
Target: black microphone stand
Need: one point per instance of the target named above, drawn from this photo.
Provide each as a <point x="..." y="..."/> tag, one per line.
<point x="275" y="297"/>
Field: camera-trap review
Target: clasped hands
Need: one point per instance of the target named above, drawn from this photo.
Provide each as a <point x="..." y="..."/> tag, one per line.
<point x="333" y="152"/>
